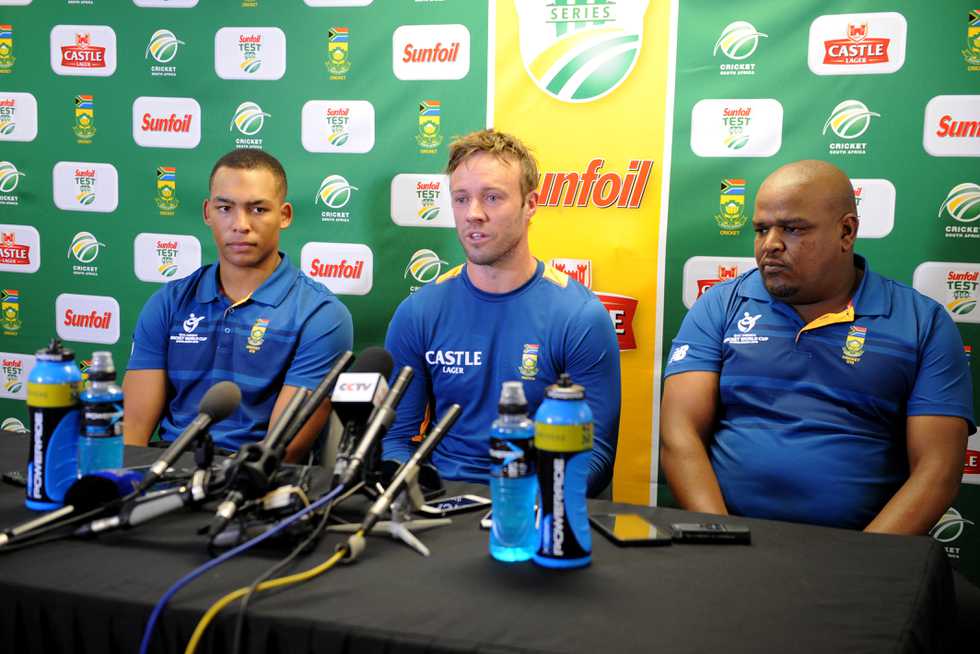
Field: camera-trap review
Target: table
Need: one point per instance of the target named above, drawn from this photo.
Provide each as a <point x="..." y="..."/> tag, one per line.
<point x="796" y="589"/>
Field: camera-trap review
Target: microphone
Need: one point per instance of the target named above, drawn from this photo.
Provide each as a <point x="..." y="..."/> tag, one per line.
<point x="376" y="428"/>
<point x="218" y="403"/>
<point x="357" y="397"/>
<point x="410" y="468"/>
<point x="257" y="463"/>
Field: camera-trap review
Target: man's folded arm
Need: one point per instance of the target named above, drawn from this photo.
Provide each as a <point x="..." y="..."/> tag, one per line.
<point x="687" y="418"/>
<point x="402" y="342"/>
<point x="146" y="394"/>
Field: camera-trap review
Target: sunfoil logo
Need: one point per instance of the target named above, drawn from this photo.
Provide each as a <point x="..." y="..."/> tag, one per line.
<point x="849" y="119"/>
<point x="424" y="266"/>
<point x="249" y="119"/>
<point x="9" y="177"/>
<point x="738" y="40"/>
<point x="335" y="192"/>
<point x="962" y="203"/>
<point x="163" y="46"/>
<point x="85" y="247"/>
<point x="580" y="50"/>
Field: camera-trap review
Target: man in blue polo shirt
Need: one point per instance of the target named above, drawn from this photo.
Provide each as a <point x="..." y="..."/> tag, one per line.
<point x="501" y="316"/>
<point x="812" y="389"/>
<point x="252" y="318"/>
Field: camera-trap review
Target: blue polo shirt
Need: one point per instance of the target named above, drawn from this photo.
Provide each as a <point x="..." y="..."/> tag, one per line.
<point x="811" y="419"/>
<point x="463" y="343"/>
<point x="289" y="331"/>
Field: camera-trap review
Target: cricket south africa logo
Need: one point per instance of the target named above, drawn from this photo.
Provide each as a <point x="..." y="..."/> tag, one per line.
<point x="335" y="192"/>
<point x="249" y="119"/>
<point x="163" y="47"/>
<point x="9" y="178"/>
<point x="849" y="120"/>
<point x="580" y="50"/>
<point x="166" y="198"/>
<point x="6" y="49"/>
<point x="738" y="41"/>
<point x="424" y="266"/>
<point x="962" y="204"/>
<point x="338" y="52"/>
<point x="85" y="248"/>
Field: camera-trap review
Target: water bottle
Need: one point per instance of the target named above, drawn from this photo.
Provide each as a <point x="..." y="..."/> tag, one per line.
<point x="513" y="484"/>
<point x="52" y="404"/>
<point x="100" y="443"/>
<point x="563" y="439"/>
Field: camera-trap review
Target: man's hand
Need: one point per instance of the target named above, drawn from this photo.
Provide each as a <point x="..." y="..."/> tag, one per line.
<point x="145" y="393"/>
<point x="936" y="449"/>
<point x="298" y="448"/>
<point x="687" y="418"/>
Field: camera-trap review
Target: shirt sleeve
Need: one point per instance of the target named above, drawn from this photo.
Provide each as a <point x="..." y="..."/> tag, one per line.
<point x="327" y="334"/>
<point x="403" y="342"/>
<point x="150" y="336"/>
<point x="698" y="344"/>
<point x="942" y="385"/>
<point x="592" y="360"/>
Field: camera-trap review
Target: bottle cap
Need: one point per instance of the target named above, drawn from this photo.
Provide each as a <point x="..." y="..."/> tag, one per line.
<point x="565" y="389"/>
<point x="102" y="368"/>
<point x="55" y="352"/>
<point x="512" y="400"/>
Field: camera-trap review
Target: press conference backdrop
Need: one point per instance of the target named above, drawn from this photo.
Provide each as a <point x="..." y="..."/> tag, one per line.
<point x="655" y="123"/>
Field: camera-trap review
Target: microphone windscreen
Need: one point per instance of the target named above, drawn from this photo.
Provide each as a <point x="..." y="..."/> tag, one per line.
<point x="221" y="400"/>
<point x="374" y="359"/>
<point x="92" y="491"/>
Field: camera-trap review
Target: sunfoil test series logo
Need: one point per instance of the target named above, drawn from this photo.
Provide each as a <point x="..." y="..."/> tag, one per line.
<point x="248" y="119"/>
<point x="18" y="116"/>
<point x="85" y="248"/>
<point x="580" y="50"/>
<point x="163" y="47"/>
<point x="738" y="42"/>
<point x="849" y="120"/>
<point x="962" y="204"/>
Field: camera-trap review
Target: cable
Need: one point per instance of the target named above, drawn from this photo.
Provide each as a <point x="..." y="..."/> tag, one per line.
<point x="266" y="585"/>
<point x="314" y="535"/>
<point x="213" y="563"/>
<point x="32" y="538"/>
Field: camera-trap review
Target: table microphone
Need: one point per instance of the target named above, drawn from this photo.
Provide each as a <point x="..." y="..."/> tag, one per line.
<point x="357" y="397"/>
<point x="218" y="403"/>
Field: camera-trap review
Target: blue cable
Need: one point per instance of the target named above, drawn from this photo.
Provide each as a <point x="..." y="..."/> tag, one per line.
<point x="194" y="574"/>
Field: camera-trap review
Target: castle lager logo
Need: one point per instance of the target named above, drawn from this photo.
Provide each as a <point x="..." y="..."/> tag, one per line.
<point x="344" y="268"/>
<point x="250" y="53"/>
<point x="589" y="188"/>
<point x="10" y="311"/>
<point x="86" y="186"/>
<point x="580" y="50"/>
<point x="20" y="249"/>
<point x="971" y="55"/>
<point x="429" y="136"/>
<point x="962" y="204"/>
<point x="736" y="128"/>
<point x="421" y="200"/>
<point x="338" y="126"/>
<point x="578" y="269"/>
<point x="162" y="258"/>
<point x="338" y="52"/>
<point x="875" y="200"/>
<point x="424" y="266"/>
<point x="166" y="197"/>
<point x="622" y="311"/>
<point x="7" y="57"/>
<point x="952" y="126"/>
<point x="738" y="41"/>
<point x="9" y="179"/>
<point x="857" y="44"/>
<point x="163" y="47"/>
<point x="954" y="285"/>
<point x="84" y="126"/>
<point x="701" y="273"/>
<point x="731" y="216"/>
<point x="85" y="248"/>
<point x="425" y="52"/>
<point x="18" y="117"/>
<point x="166" y="122"/>
<point x="87" y="318"/>
<point x="88" y="50"/>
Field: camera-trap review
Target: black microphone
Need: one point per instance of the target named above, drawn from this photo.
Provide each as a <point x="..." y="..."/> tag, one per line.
<point x="410" y="468"/>
<point x="357" y="397"/>
<point x="257" y="463"/>
<point x="376" y="428"/>
<point x="218" y="403"/>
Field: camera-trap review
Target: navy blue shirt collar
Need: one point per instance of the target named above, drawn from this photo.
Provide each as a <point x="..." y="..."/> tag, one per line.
<point x="272" y="291"/>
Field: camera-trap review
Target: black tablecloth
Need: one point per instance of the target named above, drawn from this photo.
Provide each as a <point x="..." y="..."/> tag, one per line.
<point x="795" y="589"/>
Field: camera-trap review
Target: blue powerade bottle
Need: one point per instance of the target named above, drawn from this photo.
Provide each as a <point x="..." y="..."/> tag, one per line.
<point x="52" y="402"/>
<point x="563" y="439"/>
<point x="100" y="444"/>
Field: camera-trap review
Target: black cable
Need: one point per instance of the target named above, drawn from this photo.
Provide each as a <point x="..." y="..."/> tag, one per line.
<point x="314" y="535"/>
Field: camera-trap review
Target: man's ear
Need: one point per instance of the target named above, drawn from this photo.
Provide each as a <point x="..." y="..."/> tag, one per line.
<point x="285" y="215"/>
<point x="849" y="224"/>
<point x="204" y="211"/>
<point x="532" y="203"/>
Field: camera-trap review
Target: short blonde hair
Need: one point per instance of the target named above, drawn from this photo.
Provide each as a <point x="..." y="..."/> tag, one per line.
<point x="502" y="146"/>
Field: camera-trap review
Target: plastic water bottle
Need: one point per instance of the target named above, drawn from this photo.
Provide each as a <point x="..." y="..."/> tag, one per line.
<point x="52" y="403"/>
<point x="100" y="444"/>
<point x="513" y="483"/>
<point x="563" y="439"/>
